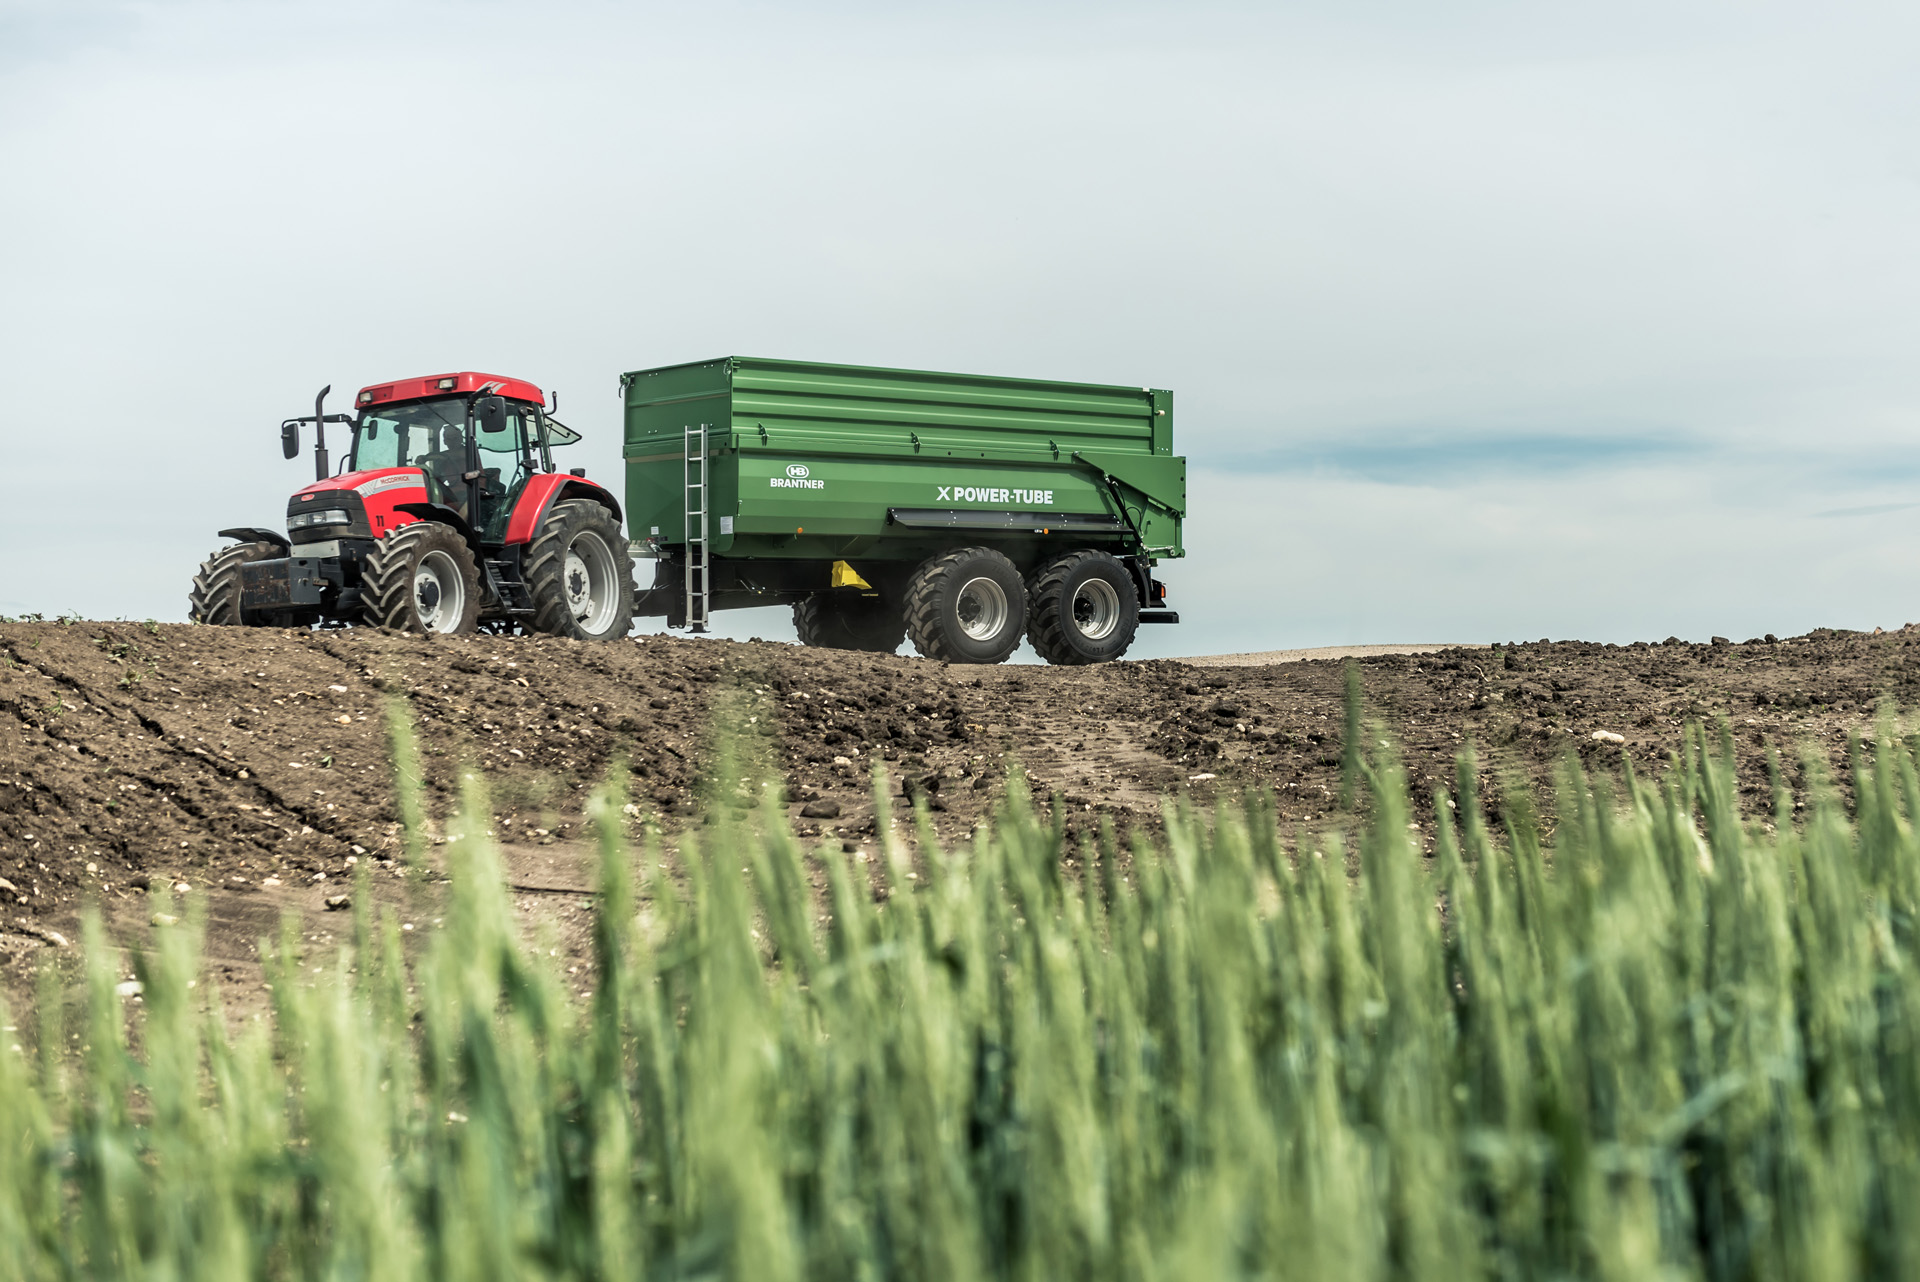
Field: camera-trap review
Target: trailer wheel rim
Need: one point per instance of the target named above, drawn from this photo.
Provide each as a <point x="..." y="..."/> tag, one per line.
<point x="980" y="607"/>
<point x="593" y="594"/>
<point x="439" y="593"/>
<point x="1096" y="609"/>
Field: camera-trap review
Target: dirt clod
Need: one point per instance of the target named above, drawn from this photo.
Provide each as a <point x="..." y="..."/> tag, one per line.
<point x="251" y="764"/>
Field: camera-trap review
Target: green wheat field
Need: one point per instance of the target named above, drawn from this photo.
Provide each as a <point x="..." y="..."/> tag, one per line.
<point x="1682" y="1042"/>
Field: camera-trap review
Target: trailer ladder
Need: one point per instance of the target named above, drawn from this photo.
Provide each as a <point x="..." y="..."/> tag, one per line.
<point x="699" y="578"/>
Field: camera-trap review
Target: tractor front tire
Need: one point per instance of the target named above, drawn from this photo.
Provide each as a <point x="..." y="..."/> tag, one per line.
<point x="579" y="574"/>
<point x="966" y="606"/>
<point x="421" y="578"/>
<point x="215" y="597"/>
<point x="1082" y="608"/>
<point x="845" y="620"/>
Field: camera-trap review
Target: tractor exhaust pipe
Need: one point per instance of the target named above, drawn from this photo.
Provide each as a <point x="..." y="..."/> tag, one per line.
<point x="320" y="434"/>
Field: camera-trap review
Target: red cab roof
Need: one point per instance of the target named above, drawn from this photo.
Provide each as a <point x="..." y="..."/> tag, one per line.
<point x="415" y="389"/>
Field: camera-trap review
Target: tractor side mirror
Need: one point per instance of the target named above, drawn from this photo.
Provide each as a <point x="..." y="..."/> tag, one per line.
<point x="289" y="439"/>
<point x="491" y="413"/>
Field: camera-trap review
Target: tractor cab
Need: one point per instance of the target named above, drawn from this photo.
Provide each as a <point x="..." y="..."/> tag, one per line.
<point x="507" y="441"/>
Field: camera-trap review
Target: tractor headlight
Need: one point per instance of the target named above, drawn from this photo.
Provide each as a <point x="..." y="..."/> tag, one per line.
<point x="332" y="516"/>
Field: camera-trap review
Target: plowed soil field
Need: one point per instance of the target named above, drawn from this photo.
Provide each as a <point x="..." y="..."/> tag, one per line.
<point x="253" y="767"/>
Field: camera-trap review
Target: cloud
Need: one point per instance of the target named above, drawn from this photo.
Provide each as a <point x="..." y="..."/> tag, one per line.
<point x="1426" y="457"/>
<point x="42" y="32"/>
<point x="1872" y="509"/>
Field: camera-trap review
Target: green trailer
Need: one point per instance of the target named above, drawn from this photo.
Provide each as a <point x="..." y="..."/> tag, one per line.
<point x="959" y="510"/>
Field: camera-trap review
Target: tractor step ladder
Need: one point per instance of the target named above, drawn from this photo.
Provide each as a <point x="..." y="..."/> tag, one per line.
<point x="699" y="577"/>
<point x="504" y="582"/>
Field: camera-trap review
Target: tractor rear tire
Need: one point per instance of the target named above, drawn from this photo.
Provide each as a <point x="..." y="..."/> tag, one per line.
<point x="845" y="620"/>
<point x="966" y="606"/>
<point x="421" y="578"/>
<point x="579" y="574"/>
<point x="215" y="597"/>
<point x="1082" y="608"/>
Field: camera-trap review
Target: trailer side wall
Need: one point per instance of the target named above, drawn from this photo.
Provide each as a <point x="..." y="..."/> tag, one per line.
<point x="809" y="460"/>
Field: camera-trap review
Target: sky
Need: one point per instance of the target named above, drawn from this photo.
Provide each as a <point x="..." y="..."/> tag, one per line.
<point x="1484" y="321"/>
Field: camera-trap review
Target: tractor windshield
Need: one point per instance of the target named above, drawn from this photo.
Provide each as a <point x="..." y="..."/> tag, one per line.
<point x="411" y="435"/>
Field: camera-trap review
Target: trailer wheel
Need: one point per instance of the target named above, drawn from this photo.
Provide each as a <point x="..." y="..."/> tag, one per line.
<point x="966" y="606"/>
<point x="846" y="621"/>
<point x="1082" y="608"/>
<point x="421" y="578"/>
<point x="579" y="574"/>
<point x="215" y="597"/>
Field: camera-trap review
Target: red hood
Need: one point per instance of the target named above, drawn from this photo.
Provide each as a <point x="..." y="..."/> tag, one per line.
<point x="379" y="480"/>
<point x="377" y="490"/>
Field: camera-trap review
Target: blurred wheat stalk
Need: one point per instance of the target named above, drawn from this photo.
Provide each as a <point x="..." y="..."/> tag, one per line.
<point x="1683" y="1045"/>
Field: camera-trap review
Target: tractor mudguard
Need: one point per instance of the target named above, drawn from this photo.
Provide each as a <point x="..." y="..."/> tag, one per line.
<point x="250" y="534"/>
<point x="446" y="516"/>
<point x="542" y="492"/>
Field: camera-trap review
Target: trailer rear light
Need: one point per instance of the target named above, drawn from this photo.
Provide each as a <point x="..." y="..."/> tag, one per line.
<point x="332" y="516"/>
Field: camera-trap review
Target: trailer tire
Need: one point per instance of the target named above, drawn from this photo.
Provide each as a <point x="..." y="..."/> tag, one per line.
<point x="966" y="606"/>
<point x="579" y="574"/>
<point x="421" y="578"/>
<point x="843" y="620"/>
<point x="215" y="597"/>
<point x="1082" y="608"/>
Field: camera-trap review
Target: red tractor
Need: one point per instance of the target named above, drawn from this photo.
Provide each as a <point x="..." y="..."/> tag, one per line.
<point x="447" y="516"/>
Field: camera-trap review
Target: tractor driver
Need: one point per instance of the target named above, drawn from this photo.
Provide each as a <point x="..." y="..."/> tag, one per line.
<point x="445" y="462"/>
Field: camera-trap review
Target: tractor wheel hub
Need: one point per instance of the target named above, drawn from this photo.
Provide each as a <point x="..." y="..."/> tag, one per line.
<point x="588" y="579"/>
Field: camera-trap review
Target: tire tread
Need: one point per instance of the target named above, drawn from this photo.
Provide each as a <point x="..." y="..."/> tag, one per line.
<point x="215" y="595"/>
<point x="925" y="593"/>
<point x="386" y="577"/>
<point x="546" y="562"/>
<point x="1047" y="623"/>
<point x="820" y="621"/>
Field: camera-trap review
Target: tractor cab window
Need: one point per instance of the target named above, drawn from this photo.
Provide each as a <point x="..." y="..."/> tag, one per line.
<point x="548" y="433"/>
<point x="416" y="434"/>
<point x="506" y="462"/>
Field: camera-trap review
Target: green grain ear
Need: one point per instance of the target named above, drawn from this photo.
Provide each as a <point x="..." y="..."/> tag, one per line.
<point x="1623" y="1032"/>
